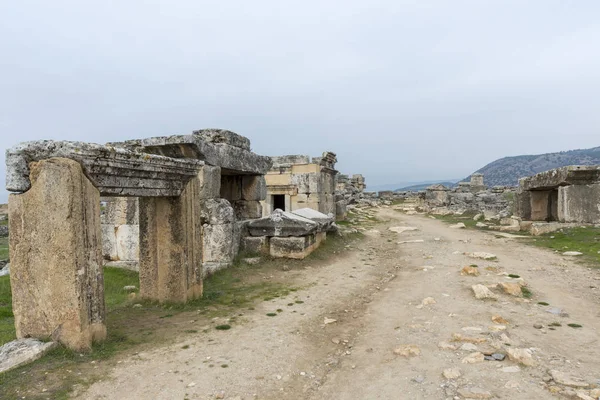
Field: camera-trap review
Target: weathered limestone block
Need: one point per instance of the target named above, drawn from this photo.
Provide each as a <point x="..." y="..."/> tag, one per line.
<point x="109" y="242"/>
<point x="579" y="203"/>
<point x="231" y="187"/>
<point x="571" y="175"/>
<point x="292" y="247"/>
<point x="210" y="182"/>
<point x="315" y="183"/>
<point x="217" y="242"/>
<point x="247" y="209"/>
<point x="128" y="242"/>
<point x="254" y="188"/>
<point x="341" y="211"/>
<point x="255" y="244"/>
<point x="281" y="223"/>
<point x="22" y="351"/>
<point x="216" y="212"/>
<point x="302" y="182"/>
<point x="523" y="204"/>
<point x="56" y="256"/>
<point x="539" y="205"/>
<point x="223" y="136"/>
<point x="171" y="246"/>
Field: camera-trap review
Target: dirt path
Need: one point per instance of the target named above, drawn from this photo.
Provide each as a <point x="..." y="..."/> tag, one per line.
<point x="375" y="296"/>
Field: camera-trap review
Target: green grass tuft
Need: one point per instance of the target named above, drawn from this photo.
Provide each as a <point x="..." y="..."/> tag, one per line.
<point x="585" y="240"/>
<point x="224" y="327"/>
<point x="575" y="325"/>
<point x="543" y="303"/>
<point x="526" y="292"/>
<point x="514" y="276"/>
<point x="271" y="314"/>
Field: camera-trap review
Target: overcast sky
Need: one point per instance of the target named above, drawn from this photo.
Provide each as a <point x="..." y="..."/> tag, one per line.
<point x="400" y="90"/>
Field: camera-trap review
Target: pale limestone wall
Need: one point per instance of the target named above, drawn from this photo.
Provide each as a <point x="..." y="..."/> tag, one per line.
<point x="56" y="260"/>
<point x="579" y="203"/>
<point x="120" y="229"/>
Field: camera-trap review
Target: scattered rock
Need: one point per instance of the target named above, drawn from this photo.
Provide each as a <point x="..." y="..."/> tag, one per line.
<point x="481" y="225"/>
<point x="428" y="301"/>
<point x="22" y="351"/>
<point x="538" y="326"/>
<point x="474" y="393"/>
<point x="468" y="270"/>
<point x="457" y="337"/>
<point x="482" y="292"/>
<point x="514" y="289"/>
<point x="252" y="260"/>
<point x="521" y="356"/>
<point x="497" y="319"/>
<point x="469" y="347"/>
<point x="138" y="305"/>
<point x="511" y="369"/>
<point x="285" y="268"/>
<point x="498" y="356"/>
<point x="568" y="380"/>
<point x="446" y="346"/>
<point x="481" y="255"/>
<point x="497" y="328"/>
<point x="572" y="253"/>
<point x="400" y="229"/>
<point x="130" y="288"/>
<point x="5" y="271"/>
<point x="474" y="358"/>
<point x="411" y="241"/>
<point x="410" y="350"/>
<point x="328" y="321"/>
<point x="478" y="217"/>
<point x="452" y="373"/>
<point x="336" y="340"/>
<point x="460" y="225"/>
<point x="512" y="385"/>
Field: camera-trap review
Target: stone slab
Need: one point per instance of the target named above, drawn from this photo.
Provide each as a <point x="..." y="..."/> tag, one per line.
<point x="282" y="224"/>
<point x="113" y="171"/>
<point x="22" y="351"/>
<point x="571" y="175"/>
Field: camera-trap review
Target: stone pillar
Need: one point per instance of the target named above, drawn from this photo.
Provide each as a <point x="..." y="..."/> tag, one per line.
<point x="56" y="256"/>
<point x="523" y="204"/>
<point x="171" y="246"/>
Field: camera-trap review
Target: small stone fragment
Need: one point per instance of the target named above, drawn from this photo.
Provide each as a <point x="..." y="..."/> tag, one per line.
<point x="474" y="393"/>
<point x="328" y="321"/>
<point x="428" y="301"/>
<point x="568" y="380"/>
<point x="452" y="373"/>
<point x="572" y="253"/>
<point x="497" y="319"/>
<point x="511" y="369"/>
<point x="468" y="270"/>
<point x="410" y="350"/>
<point x="446" y="346"/>
<point x="469" y="347"/>
<point x="474" y="358"/>
<point x="481" y="255"/>
<point x="457" y="337"/>
<point x="514" y="289"/>
<point x="482" y="292"/>
<point x="521" y="356"/>
<point x="460" y="225"/>
<point x="538" y="326"/>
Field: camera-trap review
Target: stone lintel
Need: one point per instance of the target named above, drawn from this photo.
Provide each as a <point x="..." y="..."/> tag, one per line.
<point x="113" y="171"/>
<point x="282" y="224"/>
<point x="564" y="176"/>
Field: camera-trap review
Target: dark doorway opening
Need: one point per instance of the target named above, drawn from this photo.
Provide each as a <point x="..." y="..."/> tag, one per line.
<point x="279" y="202"/>
<point x="552" y="206"/>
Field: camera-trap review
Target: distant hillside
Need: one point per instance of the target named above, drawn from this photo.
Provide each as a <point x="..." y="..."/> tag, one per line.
<point x="423" y="186"/>
<point x="507" y="171"/>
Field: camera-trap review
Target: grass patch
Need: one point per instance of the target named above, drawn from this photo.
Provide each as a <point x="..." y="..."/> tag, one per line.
<point x="224" y="327"/>
<point x="185" y="347"/>
<point x="271" y="314"/>
<point x="299" y="302"/>
<point x="585" y="240"/>
<point x="514" y="276"/>
<point x="7" y="320"/>
<point x="555" y="324"/>
<point x="466" y="218"/>
<point x="526" y="292"/>
<point x="543" y="303"/>
<point x="575" y="325"/>
<point x="4" y="248"/>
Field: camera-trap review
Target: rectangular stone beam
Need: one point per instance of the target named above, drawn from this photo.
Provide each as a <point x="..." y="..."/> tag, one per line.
<point x="171" y="246"/>
<point x="571" y="175"/>
<point x="56" y="259"/>
<point x="114" y="171"/>
<point x="230" y="158"/>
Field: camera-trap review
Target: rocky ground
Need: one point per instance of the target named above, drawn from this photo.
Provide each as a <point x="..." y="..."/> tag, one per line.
<point x="396" y="318"/>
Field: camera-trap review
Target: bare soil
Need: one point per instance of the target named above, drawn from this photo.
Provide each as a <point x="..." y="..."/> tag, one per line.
<point x="375" y="293"/>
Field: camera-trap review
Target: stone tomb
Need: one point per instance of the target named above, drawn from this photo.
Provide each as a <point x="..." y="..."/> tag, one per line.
<point x="568" y="194"/>
<point x="56" y="232"/>
<point x="288" y="235"/>
<point x="296" y="182"/>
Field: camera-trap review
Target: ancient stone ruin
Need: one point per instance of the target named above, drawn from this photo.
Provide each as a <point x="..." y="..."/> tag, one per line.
<point x="568" y="194"/>
<point x="195" y="194"/>
<point x="296" y="182"/>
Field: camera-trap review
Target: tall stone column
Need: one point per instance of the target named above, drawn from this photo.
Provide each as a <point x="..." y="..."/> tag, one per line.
<point x="171" y="246"/>
<point x="56" y="256"/>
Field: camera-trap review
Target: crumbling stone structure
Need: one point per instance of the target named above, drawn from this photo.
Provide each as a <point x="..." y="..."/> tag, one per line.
<point x="296" y="182"/>
<point x="568" y="194"/>
<point x="185" y="225"/>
